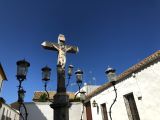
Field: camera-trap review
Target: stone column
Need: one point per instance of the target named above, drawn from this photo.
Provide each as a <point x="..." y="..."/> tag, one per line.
<point x="61" y="99"/>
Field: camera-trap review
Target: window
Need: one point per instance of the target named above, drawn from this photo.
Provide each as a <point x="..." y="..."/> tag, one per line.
<point x="104" y="111"/>
<point x="131" y="107"/>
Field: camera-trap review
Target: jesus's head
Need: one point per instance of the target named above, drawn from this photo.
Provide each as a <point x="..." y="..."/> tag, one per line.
<point x="61" y="38"/>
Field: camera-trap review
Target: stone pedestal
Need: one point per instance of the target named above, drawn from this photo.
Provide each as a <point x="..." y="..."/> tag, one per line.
<point x="61" y="106"/>
<point x="61" y="99"/>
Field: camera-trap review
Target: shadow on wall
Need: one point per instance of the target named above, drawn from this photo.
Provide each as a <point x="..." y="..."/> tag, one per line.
<point x="34" y="112"/>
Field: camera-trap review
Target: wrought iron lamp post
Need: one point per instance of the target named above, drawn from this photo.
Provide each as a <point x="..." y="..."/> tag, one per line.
<point x="82" y="96"/>
<point x="111" y="75"/>
<point x="79" y="77"/>
<point x="46" y="73"/>
<point x="21" y="93"/>
<point x="82" y="99"/>
<point x="22" y="69"/>
<point x="70" y="72"/>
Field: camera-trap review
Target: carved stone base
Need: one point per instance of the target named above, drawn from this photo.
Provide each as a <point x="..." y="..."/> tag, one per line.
<point x="61" y="106"/>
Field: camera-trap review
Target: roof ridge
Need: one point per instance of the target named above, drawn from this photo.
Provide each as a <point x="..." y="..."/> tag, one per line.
<point x="140" y="65"/>
<point x="143" y="63"/>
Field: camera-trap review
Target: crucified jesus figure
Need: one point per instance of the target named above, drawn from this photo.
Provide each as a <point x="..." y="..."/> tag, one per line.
<point x="61" y="48"/>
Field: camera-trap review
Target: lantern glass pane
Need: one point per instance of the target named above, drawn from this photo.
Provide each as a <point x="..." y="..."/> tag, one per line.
<point x="70" y="71"/>
<point x="46" y="75"/>
<point x="111" y="76"/>
<point x="21" y="70"/>
<point x="82" y="96"/>
<point x="79" y="78"/>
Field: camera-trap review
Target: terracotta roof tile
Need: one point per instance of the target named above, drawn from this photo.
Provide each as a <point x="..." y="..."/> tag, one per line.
<point x="37" y="95"/>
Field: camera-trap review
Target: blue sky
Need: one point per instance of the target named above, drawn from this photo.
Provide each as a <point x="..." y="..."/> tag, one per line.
<point x="117" y="33"/>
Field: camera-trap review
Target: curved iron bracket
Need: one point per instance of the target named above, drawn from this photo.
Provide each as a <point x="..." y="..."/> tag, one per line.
<point x="115" y="90"/>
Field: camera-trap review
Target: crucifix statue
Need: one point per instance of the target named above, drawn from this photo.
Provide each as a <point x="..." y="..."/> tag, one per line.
<point x="61" y="48"/>
<point x="61" y="99"/>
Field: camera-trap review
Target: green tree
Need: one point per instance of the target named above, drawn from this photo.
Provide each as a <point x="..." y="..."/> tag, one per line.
<point x="43" y="98"/>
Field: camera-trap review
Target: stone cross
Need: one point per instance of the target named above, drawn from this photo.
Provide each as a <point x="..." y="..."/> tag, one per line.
<point x="61" y="48"/>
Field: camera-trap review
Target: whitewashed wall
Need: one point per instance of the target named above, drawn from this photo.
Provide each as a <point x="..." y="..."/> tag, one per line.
<point x="75" y="111"/>
<point x="8" y="112"/>
<point x="146" y="83"/>
<point x="42" y="111"/>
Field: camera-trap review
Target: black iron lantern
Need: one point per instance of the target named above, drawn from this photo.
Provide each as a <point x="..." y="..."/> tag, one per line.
<point x="79" y="76"/>
<point x="82" y="95"/>
<point x="21" y="94"/>
<point x="94" y="104"/>
<point x="46" y="73"/>
<point x="111" y="75"/>
<point x="22" y="69"/>
<point x="70" y="70"/>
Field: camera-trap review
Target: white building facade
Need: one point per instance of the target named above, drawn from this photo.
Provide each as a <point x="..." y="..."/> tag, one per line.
<point x="138" y="93"/>
<point x="43" y="111"/>
<point x="8" y="113"/>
